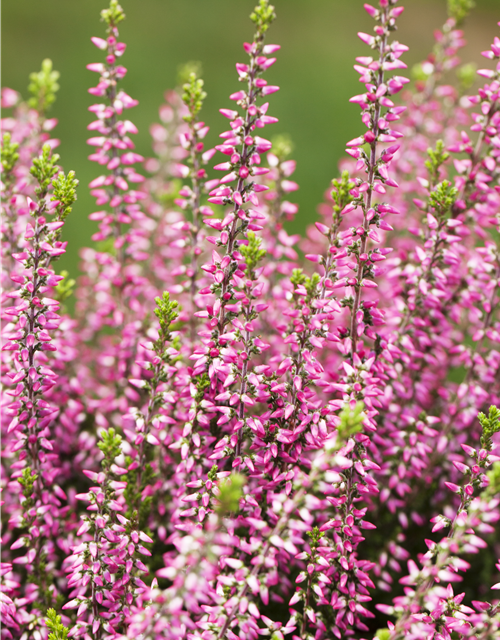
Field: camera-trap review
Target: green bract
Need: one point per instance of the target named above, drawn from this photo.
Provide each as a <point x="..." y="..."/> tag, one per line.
<point x="43" y="87"/>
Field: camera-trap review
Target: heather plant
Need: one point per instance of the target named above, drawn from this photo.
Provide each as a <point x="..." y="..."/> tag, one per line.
<point x="241" y="432"/>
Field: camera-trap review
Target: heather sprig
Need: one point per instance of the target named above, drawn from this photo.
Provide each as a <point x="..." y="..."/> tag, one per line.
<point x="437" y="157"/>
<point x="57" y="630"/>
<point x="10" y="156"/>
<point x="374" y="163"/>
<point x="192" y="141"/>
<point x="43" y="88"/>
<point x="113" y="16"/>
<point x="105" y="567"/>
<point x="458" y="10"/>
<point x="31" y="412"/>
<point x="114" y="147"/>
<point x="444" y="554"/>
<point x="193" y="96"/>
<point x="65" y="287"/>
<point x="234" y="295"/>
<point x="490" y="425"/>
<point x="263" y="16"/>
<point x="160" y="368"/>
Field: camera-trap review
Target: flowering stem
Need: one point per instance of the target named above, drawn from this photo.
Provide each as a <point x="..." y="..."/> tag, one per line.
<point x="371" y="167"/>
<point x="278" y="529"/>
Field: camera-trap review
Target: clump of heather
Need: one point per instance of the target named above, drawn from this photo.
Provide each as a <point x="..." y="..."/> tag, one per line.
<point x="240" y="432"/>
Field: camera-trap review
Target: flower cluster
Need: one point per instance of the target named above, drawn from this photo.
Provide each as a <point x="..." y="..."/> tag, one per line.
<point x="243" y="433"/>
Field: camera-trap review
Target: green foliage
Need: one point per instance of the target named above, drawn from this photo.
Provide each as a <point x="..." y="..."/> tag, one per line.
<point x="490" y="425"/>
<point x="110" y="446"/>
<point x="53" y="622"/>
<point x="466" y="75"/>
<point x="310" y="284"/>
<point x="443" y="197"/>
<point x="166" y="312"/>
<point x="113" y="16"/>
<point x="282" y="146"/>
<point x="139" y="506"/>
<point x="27" y="482"/>
<point x="9" y="155"/>
<point x="193" y="96"/>
<point x="383" y="634"/>
<point x="212" y="474"/>
<point x="351" y="421"/>
<point x="340" y="192"/>
<point x="107" y="246"/>
<point x="202" y="383"/>
<point x="65" y="192"/>
<point x="437" y="157"/>
<point x="460" y="9"/>
<point x="298" y="277"/>
<point x="262" y="16"/>
<point x="315" y="535"/>
<point x="231" y="490"/>
<point x="420" y="73"/>
<point x="252" y="253"/>
<point x="65" y="287"/>
<point x="43" y="87"/>
<point x="185" y="70"/>
<point x="493" y="474"/>
<point x="43" y="170"/>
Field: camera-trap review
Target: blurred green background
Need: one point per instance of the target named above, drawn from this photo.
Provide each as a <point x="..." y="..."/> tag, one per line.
<point x="314" y="70"/>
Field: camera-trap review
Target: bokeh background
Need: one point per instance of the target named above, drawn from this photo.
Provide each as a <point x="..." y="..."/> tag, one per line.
<point x="314" y="70"/>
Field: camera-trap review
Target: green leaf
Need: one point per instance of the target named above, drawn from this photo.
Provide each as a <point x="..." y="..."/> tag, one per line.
<point x="437" y="157"/>
<point x="9" y="154"/>
<point x="460" y="9"/>
<point x="185" y="70"/>
<point x="106" y="246"/>
<point x="490" y="425"/>
<point x="466" y="75"/>
<point x="340" y="192"/>
<point x="231" y="490"/>
<point x="110" y="446"/>
<point x="421" y="72"/>
<point x="64" y="288"/>
<point x="43" y="170"/>
<point x="193" y="96"/>
<point x="493" y="474"/>
<point x="53" y="622"/>
<point x="166" y="312"/>
<point x="64" y="191"/>
<point x="262" y="16"/>
<point x="315" y="535"/>
<point x="252" y="253"/>
<point x="282" y="146"/>
<point x="298" y="277"/>
<point x="43" y="87"/>
<point x="351" y="421"/>
<point x="443" y="197"/>
<point x="113" y="16"/>
<point x="27" y="482"/>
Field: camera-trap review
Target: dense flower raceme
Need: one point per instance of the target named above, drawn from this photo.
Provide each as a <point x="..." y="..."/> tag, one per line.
<point x="34" y="463"/>
<point x="231" y="441"/>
